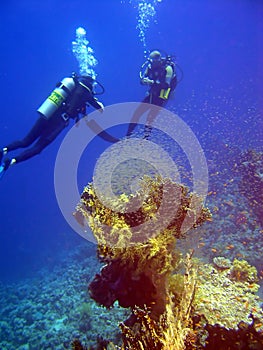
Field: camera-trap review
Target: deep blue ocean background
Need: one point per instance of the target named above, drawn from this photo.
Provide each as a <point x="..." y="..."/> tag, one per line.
<point x="218" y="45"/>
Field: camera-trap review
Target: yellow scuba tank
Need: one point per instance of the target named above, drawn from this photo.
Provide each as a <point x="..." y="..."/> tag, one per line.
<point x="57" y="97"/>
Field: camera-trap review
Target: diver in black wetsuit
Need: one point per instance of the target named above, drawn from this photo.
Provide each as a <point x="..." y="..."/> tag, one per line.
<point x="67" y="101"/>
<point x="159" y="74"/>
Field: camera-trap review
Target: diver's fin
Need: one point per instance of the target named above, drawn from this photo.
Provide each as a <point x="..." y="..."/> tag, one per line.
<point x="5" y="165"/>
<point x="131" y="129"/>
<point x="2" y="170"/>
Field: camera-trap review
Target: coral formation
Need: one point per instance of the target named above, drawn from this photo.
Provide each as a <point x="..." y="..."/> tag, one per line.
<point x="243" y="272"/>
<point x="221" y="262"/>
<point x="176" y="302"/>
<point x="76" y="345"/>
<point x="141" y="276"/>
<point x="223" y="300"/>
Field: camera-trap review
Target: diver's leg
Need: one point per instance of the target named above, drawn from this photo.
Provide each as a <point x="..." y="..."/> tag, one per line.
<point x="46" y="138"/>
<point x="158" y="103"/>
<point x="140" y="110"/>
<point x="32" y="151"/>
<point x="33" y="134"/>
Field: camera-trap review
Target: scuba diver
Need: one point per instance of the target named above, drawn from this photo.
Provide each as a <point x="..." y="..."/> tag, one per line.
<point x="159" y="74"/>
<point x="68" y="101"/>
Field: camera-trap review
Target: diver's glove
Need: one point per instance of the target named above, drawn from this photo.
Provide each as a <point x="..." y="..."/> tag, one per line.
<point x="147" y="81"/>
<point x="101" y="106"/>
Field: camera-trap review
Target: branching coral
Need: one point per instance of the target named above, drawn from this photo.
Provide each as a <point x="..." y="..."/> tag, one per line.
<point x="159" y="204"/>
<point x="171" y="330"/>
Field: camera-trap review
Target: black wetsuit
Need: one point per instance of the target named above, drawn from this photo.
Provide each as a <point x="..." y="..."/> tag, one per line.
<point x="46" y="130"/>
<point x="156" y="74"/>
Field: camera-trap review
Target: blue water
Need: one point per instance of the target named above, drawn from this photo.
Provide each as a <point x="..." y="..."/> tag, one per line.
<point x="218" y="45"/>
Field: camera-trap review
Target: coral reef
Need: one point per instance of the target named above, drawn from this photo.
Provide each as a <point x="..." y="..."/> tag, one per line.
<point x="49" y="310"/>
<point x="139" y="276"/>
<point x="76" y="345"/>
<point x="236" y="232"/>
<point x="102" y="344"/>
<point x="226" y="301"/>
<point x="176" y="301"/>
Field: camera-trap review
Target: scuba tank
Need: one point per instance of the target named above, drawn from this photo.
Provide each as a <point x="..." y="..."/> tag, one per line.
<point x="57" y="97"/>
<point x="169" y="61"/>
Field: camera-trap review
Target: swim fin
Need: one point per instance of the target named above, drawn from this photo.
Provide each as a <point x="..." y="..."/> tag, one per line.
<point x="4" y="166"/>
<point x="2" y="170"/>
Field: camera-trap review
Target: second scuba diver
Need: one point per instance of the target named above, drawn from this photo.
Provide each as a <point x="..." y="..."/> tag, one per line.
<point x="159" y="74"/>
<point x="67" y="101"/>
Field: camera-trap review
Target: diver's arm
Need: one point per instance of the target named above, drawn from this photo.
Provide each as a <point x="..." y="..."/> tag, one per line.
<point x="145" y="80"/>
<point x="94" y="102"/>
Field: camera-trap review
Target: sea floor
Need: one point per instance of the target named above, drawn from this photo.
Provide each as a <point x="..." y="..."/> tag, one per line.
<point x="51" y="309"/>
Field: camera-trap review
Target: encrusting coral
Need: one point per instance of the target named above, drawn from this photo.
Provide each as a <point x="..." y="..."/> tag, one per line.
<point x="241" y="271"/>
<point x="225" y="301"/>
<point x="144" y="272"/>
